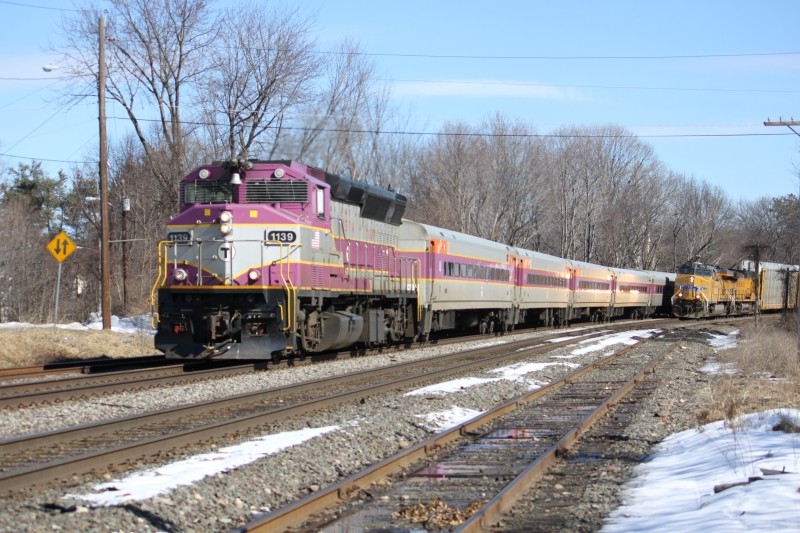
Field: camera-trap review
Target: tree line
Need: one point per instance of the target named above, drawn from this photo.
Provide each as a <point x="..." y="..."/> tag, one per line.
<point x="193" y="91"/>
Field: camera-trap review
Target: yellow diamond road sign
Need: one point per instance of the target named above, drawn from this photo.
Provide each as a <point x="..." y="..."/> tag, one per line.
<point x="61" y="246"/>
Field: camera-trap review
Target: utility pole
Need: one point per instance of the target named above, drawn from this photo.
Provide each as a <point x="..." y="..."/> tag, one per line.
<point x="789" y="123"/>
<point x="754" y="253"/>
<point x="126" y="206"/>
<point x="105" y="281"/>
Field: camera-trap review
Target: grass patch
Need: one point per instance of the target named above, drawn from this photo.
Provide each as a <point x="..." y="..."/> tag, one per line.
<point x="767" y="373"/>
<point x="29" y="346"/>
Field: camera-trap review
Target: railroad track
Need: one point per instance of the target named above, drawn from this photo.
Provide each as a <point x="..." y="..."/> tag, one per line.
<point x="28" y="393"/>
<point x="83" y="366"/>
<point x="477" y="470"/>
<point x="39" y="459"/>
<point x="26" y="386"/>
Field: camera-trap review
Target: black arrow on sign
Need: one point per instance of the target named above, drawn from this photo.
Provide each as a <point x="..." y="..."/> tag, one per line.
<point x="58" y="246"/>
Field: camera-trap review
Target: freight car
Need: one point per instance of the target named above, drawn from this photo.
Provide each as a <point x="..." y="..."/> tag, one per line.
<point x="270" y="258"/>
<point x="703" y="290"/>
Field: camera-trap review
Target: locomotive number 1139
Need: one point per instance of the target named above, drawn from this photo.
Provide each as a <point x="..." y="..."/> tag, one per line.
<point x="282" y="236"/>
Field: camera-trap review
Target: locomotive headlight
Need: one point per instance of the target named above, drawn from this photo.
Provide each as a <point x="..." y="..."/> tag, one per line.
<point x="691" y="279"/>
<point x="226" y="222"/>
<point x="253" y="275"/>
<point x="180" y="275"/>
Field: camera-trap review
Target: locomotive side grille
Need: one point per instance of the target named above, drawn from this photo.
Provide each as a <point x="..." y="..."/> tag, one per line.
<point x="388" y="238"/>
<point x="274" y="191"/>
<point x="316" y="277"/>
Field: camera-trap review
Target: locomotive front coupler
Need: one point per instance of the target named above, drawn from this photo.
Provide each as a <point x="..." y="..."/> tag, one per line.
<point x="221" y="324"/>
<point x="216" y="350"/>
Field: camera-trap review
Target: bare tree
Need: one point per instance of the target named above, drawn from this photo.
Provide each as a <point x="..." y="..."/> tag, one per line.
<point x="27" y="272"/>
<point x="156" y="50"/>
<point x="708" y="213"/>
<point x="261" y="69"/>
<point x="786" y="210"/>
<point x="348" y="126"/>
<point x="337" y="111"/>
<point x="758" y="223"/>
<point x="509" y="158"/>
<point x="448" y="180"/>
<point x="564" y="192"/>
<point x="633" y="200"/>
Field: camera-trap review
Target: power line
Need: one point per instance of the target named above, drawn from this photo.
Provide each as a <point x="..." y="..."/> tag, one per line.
<point x="454" y="134"/>
<point x="15" y="156"/>
<point x="531" y="84"/>
<point x="475" y="134"/>
<point x="492" y="57"/>
<point x="35" y="79"/>
<point x="20" y="4"/>
<point x="560" y="58"/>
<point x="519" y="58"/>
<point x="567" y="86"/>
<point x="48" y="119"/>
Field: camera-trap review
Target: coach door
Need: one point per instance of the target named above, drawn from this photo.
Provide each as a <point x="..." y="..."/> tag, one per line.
<point x="573" y="285"/>
<point x="437" y="250"/>
<point x="612" y="279"/>
<point x="523" y="265"/>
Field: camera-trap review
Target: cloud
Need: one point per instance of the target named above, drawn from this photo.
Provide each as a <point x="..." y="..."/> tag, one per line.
<point x="487" y="89"/>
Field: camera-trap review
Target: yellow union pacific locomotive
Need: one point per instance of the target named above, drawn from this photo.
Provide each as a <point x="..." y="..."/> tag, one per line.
<point x="703" y="290"/>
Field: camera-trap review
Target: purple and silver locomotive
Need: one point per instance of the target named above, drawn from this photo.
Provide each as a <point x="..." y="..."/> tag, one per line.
<point x="273" y="257"/>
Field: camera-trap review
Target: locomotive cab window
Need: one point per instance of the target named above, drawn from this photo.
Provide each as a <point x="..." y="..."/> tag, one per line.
<point x="696" y="269"/>
<point x="320" y="195"/>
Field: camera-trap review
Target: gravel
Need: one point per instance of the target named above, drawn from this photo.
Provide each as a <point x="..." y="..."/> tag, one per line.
<point x="371" y="430"/>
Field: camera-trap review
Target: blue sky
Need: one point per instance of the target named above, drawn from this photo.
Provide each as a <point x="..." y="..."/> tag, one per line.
<point x="696" y="80"/>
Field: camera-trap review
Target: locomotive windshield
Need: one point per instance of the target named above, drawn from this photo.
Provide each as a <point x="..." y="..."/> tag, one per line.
<point x="698" y="269"/>
<point x="207" y="192"/>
